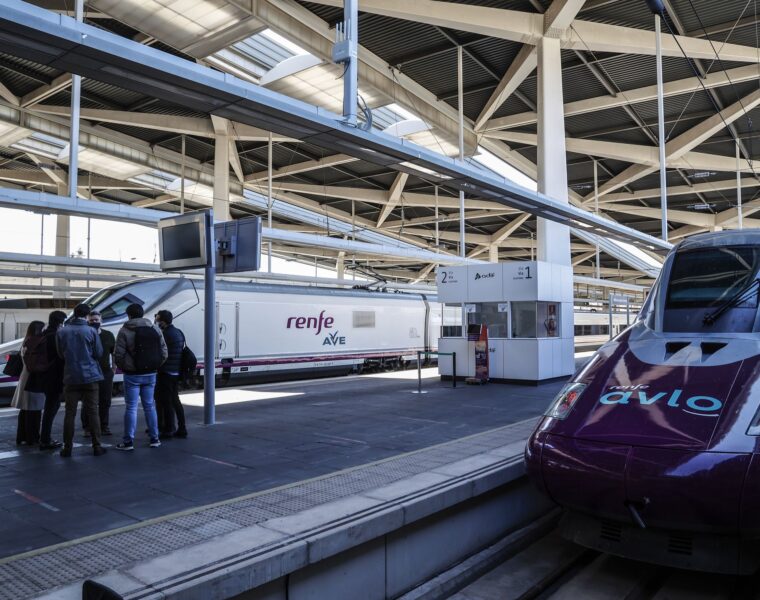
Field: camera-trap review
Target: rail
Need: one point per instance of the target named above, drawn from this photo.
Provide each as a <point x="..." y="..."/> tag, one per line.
<point x="420" y="353"/>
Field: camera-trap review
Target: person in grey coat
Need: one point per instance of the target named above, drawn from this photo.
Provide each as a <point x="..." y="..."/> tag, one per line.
<point x="79" y="346"/>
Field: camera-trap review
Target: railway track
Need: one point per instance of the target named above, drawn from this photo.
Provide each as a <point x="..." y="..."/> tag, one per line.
<point x="554" y="569"/>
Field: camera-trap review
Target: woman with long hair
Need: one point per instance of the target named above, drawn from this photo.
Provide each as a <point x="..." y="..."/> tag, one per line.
<point x="29" y="396"/>
<point x="53" y="382"/>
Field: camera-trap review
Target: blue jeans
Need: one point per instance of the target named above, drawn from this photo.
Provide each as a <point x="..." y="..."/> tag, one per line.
<point x="139" y="387"/>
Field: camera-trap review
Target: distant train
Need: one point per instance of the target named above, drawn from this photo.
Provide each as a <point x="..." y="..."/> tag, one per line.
<point x="16" y="314"/>
<point x="283" y="329"/>
<point x="592" y="329"/>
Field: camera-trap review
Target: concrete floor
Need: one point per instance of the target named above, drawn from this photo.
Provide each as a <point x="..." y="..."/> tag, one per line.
<point x="266" y="436"/>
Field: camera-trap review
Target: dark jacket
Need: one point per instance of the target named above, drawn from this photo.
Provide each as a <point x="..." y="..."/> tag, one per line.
<point x="54" y="375"/>
<point x="125" y="344"/>
<point x="175" y="341"/>
<point x="108" y="341"/>
<point x="80" y="348"/>
<point x="35" y="382"/>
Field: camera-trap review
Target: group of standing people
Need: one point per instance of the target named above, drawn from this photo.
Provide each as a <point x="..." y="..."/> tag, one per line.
<point x="73" y="361"/>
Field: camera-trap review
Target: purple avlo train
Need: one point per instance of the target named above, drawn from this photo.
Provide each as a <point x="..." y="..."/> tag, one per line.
<point x="653" y="448"/>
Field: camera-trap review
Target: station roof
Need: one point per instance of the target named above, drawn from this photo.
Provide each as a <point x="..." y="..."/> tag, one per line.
<point x="133" y="144"/>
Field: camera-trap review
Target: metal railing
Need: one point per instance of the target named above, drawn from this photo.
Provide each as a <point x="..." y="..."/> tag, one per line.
<point x="420" y="354"/>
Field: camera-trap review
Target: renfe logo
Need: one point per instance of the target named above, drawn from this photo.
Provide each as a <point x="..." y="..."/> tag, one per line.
<point x="317" y="323"/>
<point x="703" y="406"/>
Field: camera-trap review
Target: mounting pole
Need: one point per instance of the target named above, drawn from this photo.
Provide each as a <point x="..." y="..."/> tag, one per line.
<point x="658" y="8"/>
<point x="346" y="50"/>
<point x="76" y="96"/>
<point x="209" y="325"/>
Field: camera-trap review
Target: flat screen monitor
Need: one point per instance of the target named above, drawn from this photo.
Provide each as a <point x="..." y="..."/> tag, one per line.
<point x="182" y="241"/>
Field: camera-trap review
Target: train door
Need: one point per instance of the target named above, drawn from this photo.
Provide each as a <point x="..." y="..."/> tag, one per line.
<point x="227" y="329"/>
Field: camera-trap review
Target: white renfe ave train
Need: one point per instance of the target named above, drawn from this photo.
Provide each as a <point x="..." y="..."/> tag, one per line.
<point x="293" y="331"/>
<point x="283" y="329"/>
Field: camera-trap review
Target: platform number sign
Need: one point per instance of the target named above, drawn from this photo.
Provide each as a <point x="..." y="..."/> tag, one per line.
<point x="524" y="273"/>
<point x="448" y="277"/>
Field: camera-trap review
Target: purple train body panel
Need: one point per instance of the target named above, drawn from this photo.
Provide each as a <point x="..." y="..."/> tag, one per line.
<point x="652" y="448"/>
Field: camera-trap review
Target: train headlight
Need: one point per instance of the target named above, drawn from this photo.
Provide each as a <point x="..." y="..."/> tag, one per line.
<point x="565" y="400"/>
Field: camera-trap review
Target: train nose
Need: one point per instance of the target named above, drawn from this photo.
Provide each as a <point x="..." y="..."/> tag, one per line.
<point x="681" y="489"/>
<point x="670" y="489"/>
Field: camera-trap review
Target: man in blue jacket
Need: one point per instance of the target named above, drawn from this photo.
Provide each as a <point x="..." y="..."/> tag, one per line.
<point x="80" y="348"/>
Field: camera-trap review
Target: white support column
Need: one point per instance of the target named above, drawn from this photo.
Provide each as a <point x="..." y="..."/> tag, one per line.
<point x="76" y="95"/>
<point x="553" y="238"/>
<point x="740" y="216"/>
<point x="62" y="244"/>
<point x="493" y="253"/>
<point x="269" y="201"/>
<point x="221" y="178"/>
<point x="182" y="179"/>
<point x="340" y="265"/>
<point x="661" y="121"/>
<point x="353" y="220"/>
<point x="462" y="238"/>
<point x="596" y="211"/>
<point x="437" y="237"/>
<point x="460" y="102"/>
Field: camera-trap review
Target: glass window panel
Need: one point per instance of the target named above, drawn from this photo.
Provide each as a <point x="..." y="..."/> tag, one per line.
<point x="547" y="317"/>
<point x="523" y="319"/>
<point x="488" y="314"/>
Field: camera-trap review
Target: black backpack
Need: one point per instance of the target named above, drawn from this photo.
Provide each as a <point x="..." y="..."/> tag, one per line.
<point x="147" y="355"/>
<point x="36" y="357"/>
<point x="188" y="363"/>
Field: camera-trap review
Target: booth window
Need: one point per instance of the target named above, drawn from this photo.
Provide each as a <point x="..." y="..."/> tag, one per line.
<point x="488" y="314"/>
<point x="535" y="319"/>
<point x="451" y="321"/>
<point x="523" y="319"/>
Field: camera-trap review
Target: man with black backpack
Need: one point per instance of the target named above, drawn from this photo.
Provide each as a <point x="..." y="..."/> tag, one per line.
<point x="140" y="351"/>
<point x="167" y="381"/>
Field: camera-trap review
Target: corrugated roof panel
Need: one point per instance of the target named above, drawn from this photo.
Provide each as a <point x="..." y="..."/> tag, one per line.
<point x="710" y="13"/>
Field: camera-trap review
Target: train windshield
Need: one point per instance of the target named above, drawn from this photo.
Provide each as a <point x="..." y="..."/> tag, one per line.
<point x="112" y="302"/>
<point x="706" y="281"/>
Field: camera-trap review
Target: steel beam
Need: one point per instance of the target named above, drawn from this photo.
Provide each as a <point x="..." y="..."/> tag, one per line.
<point x="59" y="41"/>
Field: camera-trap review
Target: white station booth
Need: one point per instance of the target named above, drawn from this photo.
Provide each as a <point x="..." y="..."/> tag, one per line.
<point x="528" y="310"/>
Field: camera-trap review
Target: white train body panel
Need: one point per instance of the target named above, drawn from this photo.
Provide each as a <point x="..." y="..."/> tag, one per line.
<point x="271" y="330"/>
<point x="265" y="328"/>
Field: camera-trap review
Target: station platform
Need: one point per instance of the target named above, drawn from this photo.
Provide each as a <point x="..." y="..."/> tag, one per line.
<point x="276" y="452"/>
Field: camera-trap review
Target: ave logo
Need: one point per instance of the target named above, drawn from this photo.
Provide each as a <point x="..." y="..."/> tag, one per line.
<point x="334" y="339"/>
